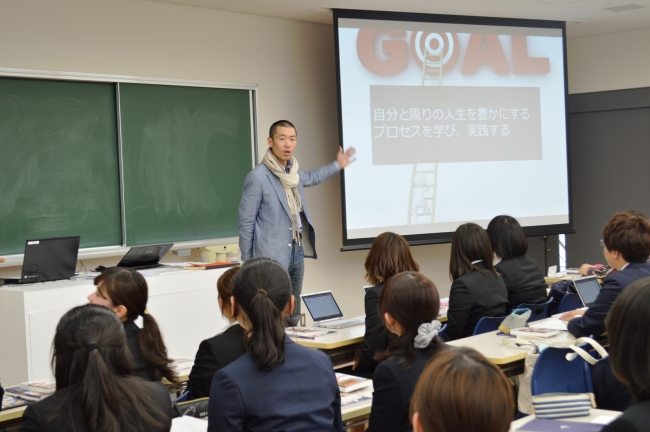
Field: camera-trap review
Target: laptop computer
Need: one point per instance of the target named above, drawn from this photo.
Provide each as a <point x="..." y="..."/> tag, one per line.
<point x="48" y="260"/>
<point x="144" y="257"/>
<point x="587" y="288"/>
<point x="326" y="312"/>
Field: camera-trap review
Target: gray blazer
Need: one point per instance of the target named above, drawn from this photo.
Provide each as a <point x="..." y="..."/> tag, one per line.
<point x="265" y="219"/>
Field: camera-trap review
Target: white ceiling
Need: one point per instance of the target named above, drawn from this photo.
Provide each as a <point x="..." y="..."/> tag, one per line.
<point x="584" y="17"/>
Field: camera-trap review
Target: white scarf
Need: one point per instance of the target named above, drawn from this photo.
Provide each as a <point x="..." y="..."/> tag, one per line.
<point x="290" y="183"/>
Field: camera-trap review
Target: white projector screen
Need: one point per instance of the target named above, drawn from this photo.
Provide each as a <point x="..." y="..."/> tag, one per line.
<point x="455" y="119"/>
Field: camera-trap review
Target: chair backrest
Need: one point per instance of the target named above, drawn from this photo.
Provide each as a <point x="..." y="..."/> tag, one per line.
<point x="487" y="324"/>
<point x="569" y="302"/>
<point x="553" y="373"/>
<point x="442" y="331"/>
<point x="537" y="311"/>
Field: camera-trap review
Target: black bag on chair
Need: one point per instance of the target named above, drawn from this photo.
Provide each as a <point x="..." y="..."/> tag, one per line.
<point x="195" y="408"/>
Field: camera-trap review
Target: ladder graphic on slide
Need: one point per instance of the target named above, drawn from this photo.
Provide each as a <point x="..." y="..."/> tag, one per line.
<point x="424" y="178"/>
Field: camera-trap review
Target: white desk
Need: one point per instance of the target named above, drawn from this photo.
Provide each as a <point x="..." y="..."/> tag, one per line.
<point x="585" y="419"/>
<point x="183" y="302"/>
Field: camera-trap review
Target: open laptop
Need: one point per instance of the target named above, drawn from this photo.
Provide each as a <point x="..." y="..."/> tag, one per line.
<point x="48" y="260"/>
<point x="326" y="312"/>
<point x="144" y="257"/>
<point x="587" y="288"/>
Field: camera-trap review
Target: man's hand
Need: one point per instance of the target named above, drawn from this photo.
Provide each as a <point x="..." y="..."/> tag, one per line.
<point x="345" y="158"/>
<point x="570" y="315"/>
<point x="584" y="269"/>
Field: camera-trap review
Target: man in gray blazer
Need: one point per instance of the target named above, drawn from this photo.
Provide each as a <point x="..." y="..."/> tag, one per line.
<point x="274" y="221"/>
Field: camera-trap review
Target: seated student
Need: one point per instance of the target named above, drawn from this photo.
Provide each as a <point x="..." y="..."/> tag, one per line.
<point x="277" y="384"/>
<point x="95" y="390"/>
<point x="389" y="254"/>
<point x="125" y="292"/>
<point x="626" y="246"/>
<point x="627" y="327"/>
<point x="477" y="290"/>
<point x="221" y="350"/>
<point x="461" y="391"/>
<point x="409" y="305"/>
<point x="521" y="274"/>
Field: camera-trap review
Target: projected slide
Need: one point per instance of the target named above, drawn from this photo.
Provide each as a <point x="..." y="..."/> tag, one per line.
<point x="452" y="123"/>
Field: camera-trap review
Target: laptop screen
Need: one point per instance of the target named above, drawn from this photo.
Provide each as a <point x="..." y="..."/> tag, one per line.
<point x="588" y="289"/>
<point x="322" y="306"/>
<point x="50" y="259"/>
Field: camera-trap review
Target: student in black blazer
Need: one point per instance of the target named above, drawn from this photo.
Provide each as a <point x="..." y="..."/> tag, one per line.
<point x="521" y="274"/>
<point x="221" y="350"/>
<point x="477" y="290"/>
<point x="627" y="327"/>
<point x="409" y="305"/>
<point x="277" y="385"/>
<point x="95" y="390"/>
<point x="125" y="292"/>
<point x="389" y="254"/>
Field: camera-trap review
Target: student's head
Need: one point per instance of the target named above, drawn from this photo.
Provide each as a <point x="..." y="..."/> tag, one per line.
<point x="408" y="301"/>
<point x="627" y="325"/>
<point x="262" y="295"/>
<point x="282" y="140"/>
<point x="507" y="237"/>
<point x="470" y="243"/>
<point x="125" y="292"/>
<point x="225" y="285"/>
<point x="90" y="357"/>
<point x="626" y="237"/>
<point x="461" y="391"/>
<point x="389" y="254"/>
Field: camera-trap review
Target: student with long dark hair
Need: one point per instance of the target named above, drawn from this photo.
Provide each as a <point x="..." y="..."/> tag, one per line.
<point x="277" y="384"/>
<point x="221" y="350"/>
<point x="461" y="391"/>
<point x="389" y="254"/>
<point x="125" y="292"/>
<point x="521" y="274"/>
<point x="409" y="305"/>
<point x="477" y="290"/>
<point x="627" y="327"/>
<point x="95" y="390"/>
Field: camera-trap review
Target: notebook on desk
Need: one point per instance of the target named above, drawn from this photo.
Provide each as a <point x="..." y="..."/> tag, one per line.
<point x="587" y="288"/>
<point x="326" y="312"/>
<point x="144" y="257"/>
<point x="48" y="260"/>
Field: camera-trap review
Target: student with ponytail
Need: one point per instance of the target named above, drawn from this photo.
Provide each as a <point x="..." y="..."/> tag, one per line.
<point x="409" y="305"/>
<point x="125" y="292"/>
<point x="277" y="384"/>
<point x="95" y="388"/>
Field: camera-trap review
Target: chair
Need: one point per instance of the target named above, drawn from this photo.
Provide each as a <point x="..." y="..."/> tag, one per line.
<point x="183" y="398"/>
<point x="487" y="324"/>
<point x="537" y="311"/>
<point x="441" y="332"/>
<point x="553" y="373"/>
<point x="569" y="302"/>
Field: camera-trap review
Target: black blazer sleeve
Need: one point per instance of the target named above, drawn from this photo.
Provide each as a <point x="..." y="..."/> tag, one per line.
<point x="460" y="305"/>
<point x="388" y="401"/>
<point x="593" y="321"/>
<point x="205" y="365"/>
<point x="376" y="336"/>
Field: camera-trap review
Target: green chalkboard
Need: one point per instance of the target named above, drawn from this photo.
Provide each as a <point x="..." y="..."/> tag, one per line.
<point x="186" y="152"/>
<point x="59" y="171"/>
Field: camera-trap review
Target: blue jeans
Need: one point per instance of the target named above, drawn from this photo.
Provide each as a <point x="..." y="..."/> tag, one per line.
<point x="296" y="273"/>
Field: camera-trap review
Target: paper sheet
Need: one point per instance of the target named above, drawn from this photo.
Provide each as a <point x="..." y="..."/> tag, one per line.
<point x="549" y="324"/>
<point x="603" y="420"/>
<point x="189" y="424"/>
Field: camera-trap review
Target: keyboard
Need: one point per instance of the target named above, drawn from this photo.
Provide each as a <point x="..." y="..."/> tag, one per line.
<point x="344" y="323"/>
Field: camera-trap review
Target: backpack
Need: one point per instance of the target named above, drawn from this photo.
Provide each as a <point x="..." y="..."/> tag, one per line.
<point x="558" y="290"/>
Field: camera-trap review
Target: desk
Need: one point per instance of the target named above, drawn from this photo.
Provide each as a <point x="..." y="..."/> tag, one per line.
<point x="357" y="415"/>
<point x="183" y="302"/>
<point x="586" y="419"/>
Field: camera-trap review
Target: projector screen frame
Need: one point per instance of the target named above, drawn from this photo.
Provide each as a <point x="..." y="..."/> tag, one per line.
<point x="445" y="237"/>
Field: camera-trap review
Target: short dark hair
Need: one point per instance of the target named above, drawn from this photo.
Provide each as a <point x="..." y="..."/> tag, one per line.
<point x="507" y="237"/>
<point x="411" y="299"/>
<point x="389" y="254"/>
<point x="627" y="327"/>
<point x="469" y="243"/>
<point x="262" y="290"/>
<point x="98" y="380"/>
<point x="281" y="123"/>
<point x="629" y="235"/>
<point x="460" y="390"/>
